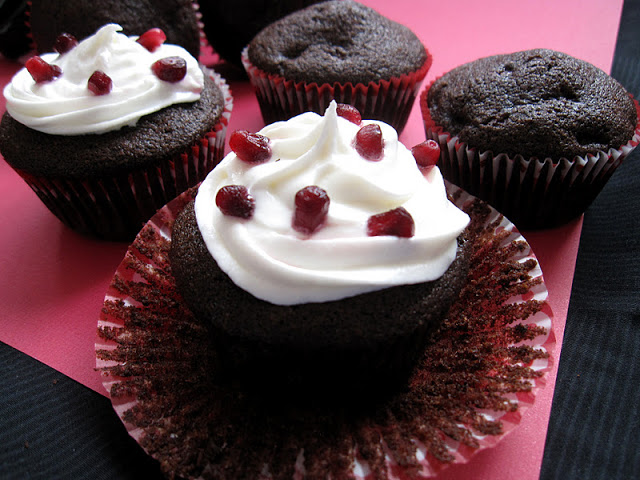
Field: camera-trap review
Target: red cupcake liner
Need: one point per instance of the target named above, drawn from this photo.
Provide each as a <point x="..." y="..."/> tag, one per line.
<point x="117" y="207"/>
<point x="387" y="100"/>
<point x="533" y="193"/>
<point x="159" y="368"/>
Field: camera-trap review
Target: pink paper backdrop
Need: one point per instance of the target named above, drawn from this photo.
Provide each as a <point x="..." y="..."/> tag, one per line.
<point x="53" y="281"/>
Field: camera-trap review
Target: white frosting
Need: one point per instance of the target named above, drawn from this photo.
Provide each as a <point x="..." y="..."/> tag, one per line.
<point x="266" y="257"/>
<point x="65" y="106"/>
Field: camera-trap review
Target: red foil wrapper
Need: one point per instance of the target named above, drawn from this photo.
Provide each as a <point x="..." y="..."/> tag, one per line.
<point x="532" y="193"/>
<point x="117" y="207"/>
<point x="387" y="100"/>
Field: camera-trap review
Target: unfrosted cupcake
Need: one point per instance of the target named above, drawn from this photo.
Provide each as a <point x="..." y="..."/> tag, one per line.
<point x="324" y="249"/>
<point x="110" y="130"/>
<point x="176" y="18"/>
<point x="535" y="133"/>
<point x="338" y="50"/>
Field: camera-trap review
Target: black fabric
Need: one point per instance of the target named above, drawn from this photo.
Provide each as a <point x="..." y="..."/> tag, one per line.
<point x="43" y="435"/>
<point x="594" y="429"/>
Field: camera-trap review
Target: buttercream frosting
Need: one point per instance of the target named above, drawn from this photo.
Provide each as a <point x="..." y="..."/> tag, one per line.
<point x="65" y="106"/>
<point x="265" y="256"/>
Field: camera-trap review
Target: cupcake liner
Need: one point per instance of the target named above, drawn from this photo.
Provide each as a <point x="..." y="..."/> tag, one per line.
<point x="533" y="193"/>
<point x="117" y="207"/>
<point x="478" y="374"/>
<point x="387" y="100"/>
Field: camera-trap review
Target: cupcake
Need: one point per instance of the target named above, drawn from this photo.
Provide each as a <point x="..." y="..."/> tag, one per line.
<point x="110" y="130"/>
<point x="176" y="18"/>
<point x="309" y="248"/>
<point x="230" y="26"/>
<point x="338" y="50"/>
<point x="536" y="133"/>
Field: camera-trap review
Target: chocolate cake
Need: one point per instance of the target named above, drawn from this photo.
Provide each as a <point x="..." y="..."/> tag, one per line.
<point x="536" y="103"/>
<point x="337" y="41"/>
<point x="159" y="135"/>
<point x="375" y="335"/>
<point x="177" y="18"/>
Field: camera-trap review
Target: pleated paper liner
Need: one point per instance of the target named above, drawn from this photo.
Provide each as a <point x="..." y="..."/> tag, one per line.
<point x="387" y="100"/>
<point x="116" y="207"/>
<point x="533" y="193"/>
<point x="478" y="374"/>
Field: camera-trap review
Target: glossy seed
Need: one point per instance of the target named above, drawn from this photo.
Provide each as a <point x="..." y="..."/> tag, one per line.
<point x="369" y="143"/>
<point x="235" y="201"/>
<point x="311" y="208"/>
<point x="397" y="222"/>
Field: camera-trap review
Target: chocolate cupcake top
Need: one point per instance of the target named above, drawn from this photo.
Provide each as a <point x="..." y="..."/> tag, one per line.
<point x="337" y="41"/>
<point x="536" y="103"/>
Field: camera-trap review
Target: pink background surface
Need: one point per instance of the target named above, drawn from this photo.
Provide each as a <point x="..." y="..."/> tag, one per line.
<point x="53" y="281"/>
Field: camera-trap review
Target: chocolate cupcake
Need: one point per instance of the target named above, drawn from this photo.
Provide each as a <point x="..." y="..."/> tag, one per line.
<point x="479" y="372"/>
<point x="338" y="50"/>
<point x="127" y="141"/>
<point x="535" y="133"/>
<point x="230" y="26"/>
<point x="176" y="18"/>
<point x="322" y="255"/>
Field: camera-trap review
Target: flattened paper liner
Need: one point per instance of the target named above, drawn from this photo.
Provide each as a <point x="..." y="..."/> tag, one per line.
<point x="478" y="374"/>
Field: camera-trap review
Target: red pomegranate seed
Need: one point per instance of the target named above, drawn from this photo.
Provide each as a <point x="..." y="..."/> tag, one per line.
<point x="235" y="201"/>
<point x="99" y="83"/>
<point x="170" y="69"/>
<point x="42" y="71"/>
<point x="152" y="39"/>
<point x="369" y="143"/>
<point x="64" y="42"/>
<point x="349" y="112"/>
<point x="250" y="147"/>
<point x="311" y="207"/>
<point x="396" y="222"/>
<point x="426" y="153"/>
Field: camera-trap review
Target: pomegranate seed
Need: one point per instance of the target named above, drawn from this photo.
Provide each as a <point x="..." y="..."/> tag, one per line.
<point x="235" y="201"/>
<point x="99" y="83"/>
<point x="42" y="71"/>
<point x="426" y="153"/>
<point x="396" y="222"/>
<point x="64" y="42"/>
<point x="170" y="69"/>
<point x="369" y="143"/>
<point x="349" y="112"/>
<point x="250" y="147"/>
<point x="311" y="207"/>
<point x="152" y="39"/>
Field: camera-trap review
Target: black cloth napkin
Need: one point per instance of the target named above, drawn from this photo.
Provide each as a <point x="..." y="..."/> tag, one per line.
<point x="594" y="430"/>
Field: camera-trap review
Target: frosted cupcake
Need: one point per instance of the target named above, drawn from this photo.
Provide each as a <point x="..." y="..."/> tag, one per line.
<point x="106" y="131"/>
<point x="320" y="243"/>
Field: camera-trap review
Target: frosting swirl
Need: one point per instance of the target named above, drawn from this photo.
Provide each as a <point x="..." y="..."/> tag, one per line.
<point x="65" y="106"/>
<point x="268" y="258"/>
